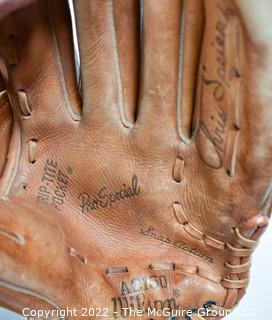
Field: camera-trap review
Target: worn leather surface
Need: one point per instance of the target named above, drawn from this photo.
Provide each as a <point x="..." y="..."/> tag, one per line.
<point x="153" y="186"/>
<point x="5" y="125"/>
<point x="9" y="6"/>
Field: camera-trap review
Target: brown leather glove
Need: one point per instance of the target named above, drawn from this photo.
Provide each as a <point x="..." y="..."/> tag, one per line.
<point x="152" y="190"/>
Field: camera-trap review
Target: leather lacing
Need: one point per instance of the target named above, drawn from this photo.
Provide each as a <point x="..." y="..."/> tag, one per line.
<point x="73" y="253"/>
<point x="244" y="249"/>
<point x="32" y="150"/>
<point x="178" y="169"/>
<point x="240" y="251"/>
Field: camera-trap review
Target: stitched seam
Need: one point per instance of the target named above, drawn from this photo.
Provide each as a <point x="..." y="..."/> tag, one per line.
<point x="68" y="105"/>
<point x="196" y="108"/>
<point x="180" y="78"/>
<point x="204" y="235"/>
<point x="78" y="257"/>
<point x="234" y="142"/>
<point x="197" y="272"/>
<point x="243" y="249"/>
<point x="19" y="239"/>
<point x="117" y="68"/>
<point x="15" y="167"/>
<point x="28" y="292"/>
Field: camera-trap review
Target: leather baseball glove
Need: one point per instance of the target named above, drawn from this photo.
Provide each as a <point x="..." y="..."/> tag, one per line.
<point x="151" y="189"/>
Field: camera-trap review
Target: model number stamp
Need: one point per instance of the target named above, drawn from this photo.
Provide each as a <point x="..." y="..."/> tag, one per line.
<point x="54" y="184"/>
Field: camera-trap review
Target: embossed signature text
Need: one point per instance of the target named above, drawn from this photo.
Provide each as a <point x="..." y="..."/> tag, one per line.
<point x="104" y="198"/>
